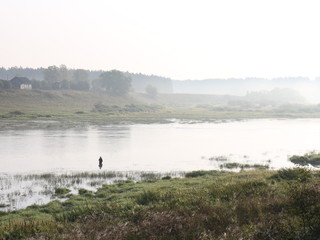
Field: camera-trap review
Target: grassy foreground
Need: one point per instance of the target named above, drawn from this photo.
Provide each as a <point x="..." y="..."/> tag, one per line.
<point x="282" y="204"/>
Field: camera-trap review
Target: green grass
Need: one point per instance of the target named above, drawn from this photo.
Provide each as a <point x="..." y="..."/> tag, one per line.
<point x="135" y="107"/>
<point x="255" y="204"/>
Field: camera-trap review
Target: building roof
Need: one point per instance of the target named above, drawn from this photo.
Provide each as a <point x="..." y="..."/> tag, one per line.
<point x="20" y="80"/>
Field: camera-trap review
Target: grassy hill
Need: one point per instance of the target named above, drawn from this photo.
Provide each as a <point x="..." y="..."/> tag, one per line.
<point x="66" y="99"/>
<point x="56" y="101"/>
<point x="22" y="104"/>
<point x="138" y="107"/>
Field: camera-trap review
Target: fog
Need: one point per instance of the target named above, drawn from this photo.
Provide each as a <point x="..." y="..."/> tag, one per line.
<point x="303" y="86"/>
<point x="159" y="119"/>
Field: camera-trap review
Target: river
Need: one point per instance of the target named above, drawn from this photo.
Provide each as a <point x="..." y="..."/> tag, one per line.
<point x="157" y="147"/>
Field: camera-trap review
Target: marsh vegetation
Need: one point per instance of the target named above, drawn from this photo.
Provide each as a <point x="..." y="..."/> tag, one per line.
<point x="312" y="159"/>
<point x="205" y="205"/>
<point x="19" y="191"/>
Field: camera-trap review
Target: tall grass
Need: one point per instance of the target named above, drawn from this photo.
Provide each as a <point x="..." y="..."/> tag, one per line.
<point x="253" y="205"/>
<point x="21" y="190"/>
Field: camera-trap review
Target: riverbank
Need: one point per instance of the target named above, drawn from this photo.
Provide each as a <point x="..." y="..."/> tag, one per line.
<point x="256" y="204"/>
<point x="138" y="108"/>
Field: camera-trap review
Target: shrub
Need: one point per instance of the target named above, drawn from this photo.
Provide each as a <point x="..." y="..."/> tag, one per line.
<point x="312" y="159"/>
<point x="147" y="197"/>
<point x="196" y="174"/>
<point x="151" y="91"/>
<point x="85" y="192"/>
<point x="304" y="202"/>
<point x="200" y="173"/>
<point x="298" y="174"/>
<point x="16" y="113"/>
<point x="166" y="178"/>
<point x="61" y="191"/>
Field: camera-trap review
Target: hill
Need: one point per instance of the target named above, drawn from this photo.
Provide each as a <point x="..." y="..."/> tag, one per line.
<point x="57" y="101"/>
<point x="139" y="107"/>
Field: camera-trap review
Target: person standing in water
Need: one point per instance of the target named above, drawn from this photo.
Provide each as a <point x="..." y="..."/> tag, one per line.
<point x="100" y="162"/>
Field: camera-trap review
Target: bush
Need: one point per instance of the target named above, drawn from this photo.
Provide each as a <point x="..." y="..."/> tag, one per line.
<point x="312" y="159"/>
<point x="61" y="191"/>
<point x="16" y="113"/>
<point x="147" y="197"/>
<point x="196" y="174"/>
<point x="152" y="91"/>
<point x="5" y="84"/>
<point x="304" y="202"/>
<point x="200" y="173"/>
<point x="85" y="192"/>
<point x="166" y="178"/>
<point x="298" y="174"/>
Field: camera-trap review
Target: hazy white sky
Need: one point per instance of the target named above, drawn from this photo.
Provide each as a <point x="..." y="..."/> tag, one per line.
<point x="178" y="39"/>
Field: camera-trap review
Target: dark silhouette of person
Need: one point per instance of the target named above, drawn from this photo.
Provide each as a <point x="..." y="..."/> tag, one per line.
<point x="100" y="162"/>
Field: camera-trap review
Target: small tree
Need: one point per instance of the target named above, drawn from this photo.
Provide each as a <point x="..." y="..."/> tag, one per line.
<point x="152" y="91"/>
<point x="35" y="84"/>
<point x="80" y="85"/>
<point x="115" y="82"/>
<point x="65" y="84"/>
<point x="5" y="84"/>
<point x="80" y="80"/>
<point x="80" y="75"/>
<point x="54" y="75"/>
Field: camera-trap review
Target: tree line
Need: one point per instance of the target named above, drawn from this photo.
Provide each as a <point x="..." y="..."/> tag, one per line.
<point x="61" y="77"/>
<point x="112" y="82"/>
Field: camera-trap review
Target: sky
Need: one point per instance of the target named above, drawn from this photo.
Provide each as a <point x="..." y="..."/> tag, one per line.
<point x="177" y="39"/>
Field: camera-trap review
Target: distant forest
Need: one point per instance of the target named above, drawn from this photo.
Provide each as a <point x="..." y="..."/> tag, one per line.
<point x="81" y="79"/>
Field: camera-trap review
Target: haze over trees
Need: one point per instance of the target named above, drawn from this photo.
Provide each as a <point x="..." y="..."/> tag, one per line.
<point x="275" y="96"/>
<point x="151" y="91"/>
<point x="61" y="77"/>
<point x="240" y="86"/>
<point x="115" y="82"/>
<point x="80" y="79"/>
<point x="141" y="81"/>
<point x="31" y="73"/>
<point x="5" y="84"/>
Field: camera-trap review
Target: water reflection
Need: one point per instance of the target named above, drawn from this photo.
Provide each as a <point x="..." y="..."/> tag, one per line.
<point x="157" y="147"/>
<point x="49" y="149"/>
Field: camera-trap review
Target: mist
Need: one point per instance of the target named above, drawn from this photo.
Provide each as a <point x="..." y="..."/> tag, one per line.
<point x="303" y="86"/>
<point x="160" y="119"/>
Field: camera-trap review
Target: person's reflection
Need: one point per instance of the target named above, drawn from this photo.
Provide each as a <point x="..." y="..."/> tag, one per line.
<point x="100" y="162"/>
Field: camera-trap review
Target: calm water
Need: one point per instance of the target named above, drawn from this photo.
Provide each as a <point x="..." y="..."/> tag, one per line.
<point x="157" y="147"/>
